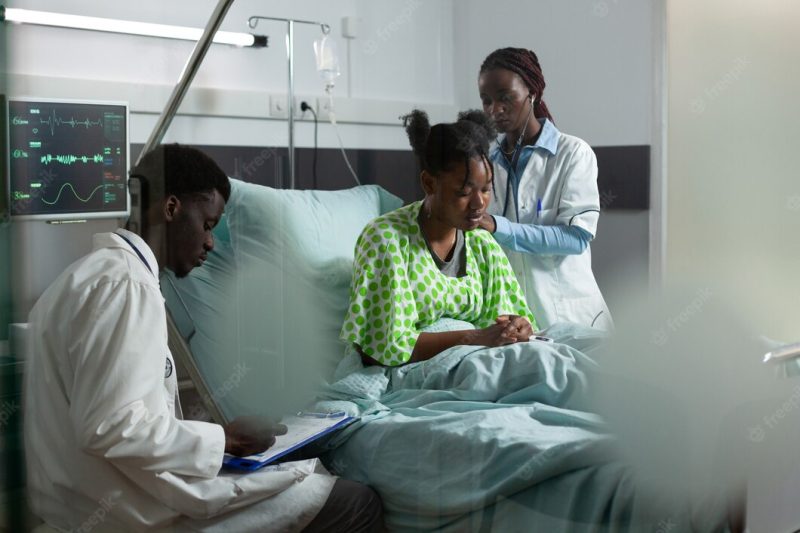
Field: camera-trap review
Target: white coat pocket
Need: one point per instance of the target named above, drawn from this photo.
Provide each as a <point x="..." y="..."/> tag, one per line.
<point x="590" y="311"/>
<point x="545" y="217"/>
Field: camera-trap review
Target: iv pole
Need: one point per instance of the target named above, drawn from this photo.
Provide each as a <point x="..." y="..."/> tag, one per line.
<point x="253" y="22"/>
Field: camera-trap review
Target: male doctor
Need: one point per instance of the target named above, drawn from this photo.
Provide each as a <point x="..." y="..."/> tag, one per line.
<point x="106" y="447"/>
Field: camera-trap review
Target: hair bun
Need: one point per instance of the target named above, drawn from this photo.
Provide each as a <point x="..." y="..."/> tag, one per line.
<point x="418" y="128"/>
<point x="480" y="119"/>
<point x="441" y="147"/>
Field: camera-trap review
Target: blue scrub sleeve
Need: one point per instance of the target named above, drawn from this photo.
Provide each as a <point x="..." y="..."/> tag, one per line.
<point x="536" y="239"/>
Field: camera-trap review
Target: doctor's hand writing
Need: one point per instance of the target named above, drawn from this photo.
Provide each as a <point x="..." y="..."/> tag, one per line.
<point x="247" y="435"/>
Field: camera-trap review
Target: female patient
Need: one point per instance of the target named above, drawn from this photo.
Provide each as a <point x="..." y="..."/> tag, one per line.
<point x="428" y="260"/>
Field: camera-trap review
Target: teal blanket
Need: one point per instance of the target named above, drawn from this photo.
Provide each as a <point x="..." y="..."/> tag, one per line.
<point x="493" y="439"/>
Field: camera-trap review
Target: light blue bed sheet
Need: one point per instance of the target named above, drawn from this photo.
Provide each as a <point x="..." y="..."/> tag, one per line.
<point x="493" y="439"/>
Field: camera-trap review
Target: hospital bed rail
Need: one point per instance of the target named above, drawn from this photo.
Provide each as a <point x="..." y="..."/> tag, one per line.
<point x="177" y="344"/>
<point x="783" y="353"/>
<point x="182" y="353"/>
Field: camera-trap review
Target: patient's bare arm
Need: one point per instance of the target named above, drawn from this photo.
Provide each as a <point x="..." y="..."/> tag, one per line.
<point x="250" y="434"/>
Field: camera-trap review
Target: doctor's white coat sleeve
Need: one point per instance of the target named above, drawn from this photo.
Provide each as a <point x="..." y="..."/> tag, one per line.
<point x="579" y="204"/>
<point x="118" y="399"/>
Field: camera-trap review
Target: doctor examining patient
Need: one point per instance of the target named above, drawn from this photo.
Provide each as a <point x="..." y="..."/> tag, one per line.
<point x="426" y="261"/>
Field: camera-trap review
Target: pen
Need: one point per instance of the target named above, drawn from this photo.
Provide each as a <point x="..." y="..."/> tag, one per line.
<point x="307" y="414"/>
<point x="538" y="209"/>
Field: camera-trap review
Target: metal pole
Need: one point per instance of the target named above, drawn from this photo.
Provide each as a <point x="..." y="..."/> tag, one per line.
<point x="290" y="51"/>
<point x="177" y="344"/>
<point x="253" y="22"/>
<point x="186" y="78"/>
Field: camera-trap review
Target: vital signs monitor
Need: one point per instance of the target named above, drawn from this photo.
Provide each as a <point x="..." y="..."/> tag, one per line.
<point x="68" y="159"/>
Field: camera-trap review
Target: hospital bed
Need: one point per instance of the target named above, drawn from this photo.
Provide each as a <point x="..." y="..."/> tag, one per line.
<point x="282" y="261"/>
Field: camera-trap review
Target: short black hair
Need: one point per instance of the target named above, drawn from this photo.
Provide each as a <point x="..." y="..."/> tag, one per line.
<point x="183" y="171"/>
<point x="438" y="148"/>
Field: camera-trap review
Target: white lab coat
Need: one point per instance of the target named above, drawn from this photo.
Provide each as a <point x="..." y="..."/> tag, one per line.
<point x="105" y="446"/>
<point x="558" y="288"/>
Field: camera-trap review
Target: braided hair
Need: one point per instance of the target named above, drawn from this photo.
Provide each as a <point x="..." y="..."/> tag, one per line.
<point x="525" y="64"/>
<point x="438" y="148"/>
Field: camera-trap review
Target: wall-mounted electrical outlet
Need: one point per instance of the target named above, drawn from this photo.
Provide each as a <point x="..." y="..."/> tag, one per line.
<point x="323" y="108"/>
<point x="305" y="115"/>
<point x="279" y="106"/>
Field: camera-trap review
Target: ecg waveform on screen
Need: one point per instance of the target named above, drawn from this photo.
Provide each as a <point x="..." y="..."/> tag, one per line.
<point x="66" y="158"/>
<point x="54" y="120"/>
<point x="71" y="159"/>
<point x="86" y="200"/>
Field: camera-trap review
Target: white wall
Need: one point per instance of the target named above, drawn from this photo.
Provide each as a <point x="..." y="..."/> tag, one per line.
<point x="400" y="61"/>
<point x="596" y="57"/>
<point x="733" y="189"/>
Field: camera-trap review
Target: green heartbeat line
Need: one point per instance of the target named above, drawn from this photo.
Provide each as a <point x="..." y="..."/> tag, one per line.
<point x="54" y="121"/>
<point x="73" y="192"/>
<point x="70" y="159"/>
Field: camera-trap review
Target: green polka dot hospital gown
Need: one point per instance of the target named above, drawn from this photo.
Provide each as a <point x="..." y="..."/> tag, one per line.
<point x="398" y="290"/>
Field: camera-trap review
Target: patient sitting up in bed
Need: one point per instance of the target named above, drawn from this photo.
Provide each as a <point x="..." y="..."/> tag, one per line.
<point x="487" y="431"/>
<point x="429" y="260"/>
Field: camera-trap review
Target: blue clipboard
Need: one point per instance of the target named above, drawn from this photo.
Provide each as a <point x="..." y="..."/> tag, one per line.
<point x="254" y="462"/>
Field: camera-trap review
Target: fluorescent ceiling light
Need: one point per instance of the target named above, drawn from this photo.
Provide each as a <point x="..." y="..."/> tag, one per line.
<point x="60" y="20"/>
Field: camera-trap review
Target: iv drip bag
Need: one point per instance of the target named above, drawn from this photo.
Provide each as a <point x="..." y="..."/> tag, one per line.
<point x="327" y="57"/>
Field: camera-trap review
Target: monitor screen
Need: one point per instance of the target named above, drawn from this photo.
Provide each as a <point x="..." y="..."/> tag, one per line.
<point x="67" y="159"/>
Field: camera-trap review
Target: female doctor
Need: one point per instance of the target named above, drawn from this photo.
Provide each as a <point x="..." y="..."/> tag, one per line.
<point x="545" y="205"/>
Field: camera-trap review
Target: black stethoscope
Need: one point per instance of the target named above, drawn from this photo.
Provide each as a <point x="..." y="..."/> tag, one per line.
<point x="513" y="168"/>
<point x="515" y="179"/>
